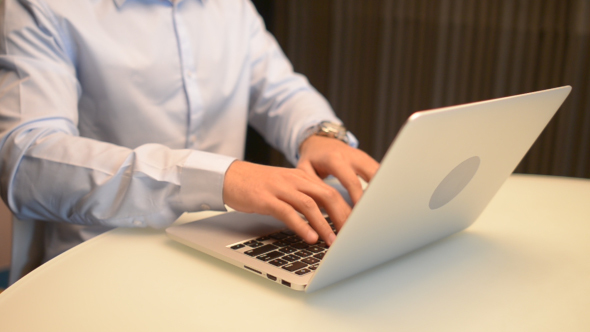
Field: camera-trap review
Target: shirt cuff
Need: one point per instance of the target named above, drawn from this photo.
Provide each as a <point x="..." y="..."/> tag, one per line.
<point x="201" y="181"/>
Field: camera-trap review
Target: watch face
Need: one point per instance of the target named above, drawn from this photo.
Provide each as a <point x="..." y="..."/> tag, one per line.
<point x="333" y="130"/>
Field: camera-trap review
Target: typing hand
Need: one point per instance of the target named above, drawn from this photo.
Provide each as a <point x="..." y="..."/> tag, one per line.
<point x="281" y="193"/>
<point x="323" y="156"/>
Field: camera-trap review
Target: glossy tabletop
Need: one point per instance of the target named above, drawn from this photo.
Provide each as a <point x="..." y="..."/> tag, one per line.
<point x="523" y="266"/>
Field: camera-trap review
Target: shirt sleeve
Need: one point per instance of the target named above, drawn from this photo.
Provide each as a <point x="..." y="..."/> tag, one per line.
<point x="49" y="172"/>
<point x="282" y="103"/>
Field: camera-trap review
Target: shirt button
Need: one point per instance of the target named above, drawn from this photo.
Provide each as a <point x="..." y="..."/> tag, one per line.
<point x="137" y="223"/>
<point x="190" y="74"/>
<point x="205" y="207"/>
<point x="193" y="138"/>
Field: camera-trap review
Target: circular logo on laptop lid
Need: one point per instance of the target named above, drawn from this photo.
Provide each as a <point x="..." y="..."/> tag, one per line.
<point x="454" y="183"/>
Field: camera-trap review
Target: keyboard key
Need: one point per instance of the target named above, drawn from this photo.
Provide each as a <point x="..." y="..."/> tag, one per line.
<point x="313" y="267"/>
<point x="261" y="250"/>
<point x="316" y="249"/>
<point x="310" y="260"/>
<point x="300" y="245"/>
<point x="269" y="256"/>
<point x="237" y="246"/>
<point x="292" y="239"/>
<point x="278" y="262"/>
<point x="291" y="258"/>
<point x="303" y="271"/>
<point x="288" y="250"/>
<point x="263" y="238"/>
<point x="303" y="253"/>
<point x="288" y="232"/>
<point x="253" y="244"/>
<point x="279" y="236"/>
<point x="322" y="245"/>
<point x="281" y="243"/>
<point x="294" y="266"/>
<point x="320" y="255"/>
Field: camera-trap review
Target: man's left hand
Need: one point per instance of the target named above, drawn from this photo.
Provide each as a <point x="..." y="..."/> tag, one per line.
<point x="323" y="156"/>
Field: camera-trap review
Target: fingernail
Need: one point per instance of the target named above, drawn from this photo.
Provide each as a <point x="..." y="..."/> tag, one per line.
<point x="312" y="237"/>
<point x="331" y="239"/>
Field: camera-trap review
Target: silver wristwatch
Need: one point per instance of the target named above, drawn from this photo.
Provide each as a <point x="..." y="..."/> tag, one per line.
<point x="328" y="129"/>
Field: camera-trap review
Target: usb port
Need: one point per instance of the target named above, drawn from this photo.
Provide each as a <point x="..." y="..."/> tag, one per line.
<point x="271" y="277"/>
<point x="286" y="283"/>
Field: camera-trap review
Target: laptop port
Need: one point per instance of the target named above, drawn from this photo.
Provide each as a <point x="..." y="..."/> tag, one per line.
<point x="286" y="283"/>
<point x="271" y="277"/>
<point x="251" y="269"/>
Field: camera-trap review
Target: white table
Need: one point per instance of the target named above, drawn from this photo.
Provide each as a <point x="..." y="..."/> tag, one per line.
<point x="523" y="266"/>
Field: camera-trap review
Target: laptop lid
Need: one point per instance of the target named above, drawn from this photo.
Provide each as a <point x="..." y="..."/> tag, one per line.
<point x="439" y="174"/>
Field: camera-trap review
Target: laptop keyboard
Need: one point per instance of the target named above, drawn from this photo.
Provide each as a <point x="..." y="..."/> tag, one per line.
<point x="286" y="250"/>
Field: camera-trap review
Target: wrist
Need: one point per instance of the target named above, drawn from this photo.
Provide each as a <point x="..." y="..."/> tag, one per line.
<point x="326" y="129"/>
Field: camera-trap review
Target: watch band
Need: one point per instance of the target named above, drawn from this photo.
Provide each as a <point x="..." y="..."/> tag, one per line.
<point x="327" y="129"/>
<point x="332" y="130"/>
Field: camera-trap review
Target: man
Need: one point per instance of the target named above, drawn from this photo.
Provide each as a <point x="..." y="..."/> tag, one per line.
<point x="127" y="113"/>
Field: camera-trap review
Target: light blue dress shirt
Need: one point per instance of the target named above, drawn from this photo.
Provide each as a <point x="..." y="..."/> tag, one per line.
<point x="129" y="112"/>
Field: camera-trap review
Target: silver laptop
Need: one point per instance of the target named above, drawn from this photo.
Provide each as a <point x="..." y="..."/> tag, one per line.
<point x="439" y="174"/>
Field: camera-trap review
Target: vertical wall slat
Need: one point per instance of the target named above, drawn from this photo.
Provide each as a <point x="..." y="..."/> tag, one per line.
<point x="383" y="76"/>
<point x="388" y="58"/>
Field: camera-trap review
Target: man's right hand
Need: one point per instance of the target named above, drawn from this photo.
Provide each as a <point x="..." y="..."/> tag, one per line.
<point x="281" y="193"/>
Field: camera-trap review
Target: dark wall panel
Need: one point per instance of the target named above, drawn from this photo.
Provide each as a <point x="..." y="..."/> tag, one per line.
<point x="377" y="61"/>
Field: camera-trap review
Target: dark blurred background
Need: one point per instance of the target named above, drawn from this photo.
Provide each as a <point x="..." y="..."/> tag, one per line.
<point x="378" y="61"/>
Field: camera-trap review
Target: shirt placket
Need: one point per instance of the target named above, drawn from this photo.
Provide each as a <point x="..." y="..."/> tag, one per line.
<point x="189" y="78"/>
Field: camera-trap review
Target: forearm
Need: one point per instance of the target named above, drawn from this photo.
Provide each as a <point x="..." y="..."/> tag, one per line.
<point x="50" y="174"/>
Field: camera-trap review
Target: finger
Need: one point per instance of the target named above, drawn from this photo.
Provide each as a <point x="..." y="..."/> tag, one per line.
<point x="287" y="214"/>
<point x="306" y="167"/>
<point x="349" y="180"/>
<point x="307" y="206"/>
<point x="330" y="199"/>
<point x="327" y="197"/>
<point x="365" y="166"/>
